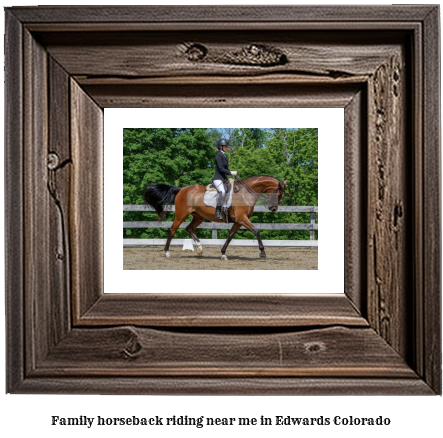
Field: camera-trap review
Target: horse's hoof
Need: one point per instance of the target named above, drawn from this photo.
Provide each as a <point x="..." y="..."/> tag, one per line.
<point x="167" y="255"/>
<point x="199" y="249"/>
<point x="224" y="257"/>
<point x="262" y="257"/>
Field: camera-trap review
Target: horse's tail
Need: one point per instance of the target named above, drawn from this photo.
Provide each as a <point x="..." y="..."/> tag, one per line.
<point x="158" y="195"/>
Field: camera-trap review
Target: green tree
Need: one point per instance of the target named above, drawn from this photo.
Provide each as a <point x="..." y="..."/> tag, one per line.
<point x="184" y="157"/>
<point x="166" y="155"/>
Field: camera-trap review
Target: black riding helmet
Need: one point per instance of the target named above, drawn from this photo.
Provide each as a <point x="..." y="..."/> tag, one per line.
<point x="222" y="142"/>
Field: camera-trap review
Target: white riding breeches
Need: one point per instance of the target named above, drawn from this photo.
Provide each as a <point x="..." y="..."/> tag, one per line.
<point x="218" y="184"/>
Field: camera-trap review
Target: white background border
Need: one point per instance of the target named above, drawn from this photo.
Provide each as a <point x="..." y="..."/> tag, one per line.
<point x="330" y="123"/>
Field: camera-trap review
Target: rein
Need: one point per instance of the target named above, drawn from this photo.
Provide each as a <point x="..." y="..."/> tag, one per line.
<point x="251" y="190"/>
<point x="247" y="187"/>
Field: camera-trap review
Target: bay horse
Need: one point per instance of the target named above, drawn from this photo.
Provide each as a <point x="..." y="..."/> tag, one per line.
<point x="189" y="200"/>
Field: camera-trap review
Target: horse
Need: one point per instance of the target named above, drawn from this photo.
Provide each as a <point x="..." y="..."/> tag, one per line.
<point x="189" y="201"/>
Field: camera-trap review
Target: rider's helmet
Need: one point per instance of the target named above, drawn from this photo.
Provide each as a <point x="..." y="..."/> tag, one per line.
<point x="222" y="142"/>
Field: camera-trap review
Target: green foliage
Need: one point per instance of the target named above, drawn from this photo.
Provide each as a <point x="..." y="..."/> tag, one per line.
<point x="172" y="156"/>
<point x="184" y="157"/>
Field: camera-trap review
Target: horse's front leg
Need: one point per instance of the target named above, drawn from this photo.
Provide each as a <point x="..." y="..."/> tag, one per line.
<point x="234" y="229"/>
<point x="250" y="226"/>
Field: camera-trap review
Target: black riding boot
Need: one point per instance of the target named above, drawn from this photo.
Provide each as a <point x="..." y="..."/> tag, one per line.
<point x="220" y="199"/>
<point x="218" y="214"/>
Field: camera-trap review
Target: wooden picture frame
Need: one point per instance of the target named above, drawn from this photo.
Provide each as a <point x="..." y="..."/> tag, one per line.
<point x="65" y="64"/>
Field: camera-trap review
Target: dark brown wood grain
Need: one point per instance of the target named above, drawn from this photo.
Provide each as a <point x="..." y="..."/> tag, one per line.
<point x="388" y="202"/>
<point x="229" y="95"/>
<point x="64" y="65"/>
<point x="167" y="385"/>
<point x="236" y="310"/>
<point x="355" y="15"/>
<point x="38" y="307"/>
<point x="169" y="55"/>
<point x="129" y="351"/>
<point x="86" y="200"/>
<point x="14" y="239"/>
<point x="59" y="167"/>
<point x="355" y="187"/>
<point x="430" y="318"/>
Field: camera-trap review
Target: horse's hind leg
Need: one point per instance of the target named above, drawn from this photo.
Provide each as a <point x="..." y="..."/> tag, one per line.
<point x="177" y="222"/>
<point x="191" y="231"/>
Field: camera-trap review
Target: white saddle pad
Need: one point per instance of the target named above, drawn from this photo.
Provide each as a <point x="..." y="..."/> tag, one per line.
<point x="210" y="197"/>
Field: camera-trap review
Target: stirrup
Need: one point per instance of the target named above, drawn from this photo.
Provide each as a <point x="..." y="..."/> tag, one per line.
<point x="218" y="214"/>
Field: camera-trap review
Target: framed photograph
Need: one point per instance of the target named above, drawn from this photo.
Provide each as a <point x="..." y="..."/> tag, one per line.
<point x="271" y="200"/>
<point x="183" y="157"/>
<point x="376" y="329"/>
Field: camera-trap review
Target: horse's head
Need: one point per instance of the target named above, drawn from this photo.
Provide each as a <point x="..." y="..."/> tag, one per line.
<point x="275" y="197"/>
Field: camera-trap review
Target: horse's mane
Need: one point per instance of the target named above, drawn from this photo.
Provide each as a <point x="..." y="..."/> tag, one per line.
<point x="270" y="176"/>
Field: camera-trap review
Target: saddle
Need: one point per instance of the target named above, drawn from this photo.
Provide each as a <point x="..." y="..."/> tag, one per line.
<point x="227" y="184"/>
<point x="210" y="196"/>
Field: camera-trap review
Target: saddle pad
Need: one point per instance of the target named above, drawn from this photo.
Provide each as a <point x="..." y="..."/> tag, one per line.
<point x="210" y="197"/>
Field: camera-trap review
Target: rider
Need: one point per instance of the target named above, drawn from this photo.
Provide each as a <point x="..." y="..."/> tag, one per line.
<point x="221" y="174"/>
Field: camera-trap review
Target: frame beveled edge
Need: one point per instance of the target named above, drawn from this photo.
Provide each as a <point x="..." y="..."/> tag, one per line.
<point x="243" y="14"/>
<point x="431" y="199"/>
<point x="431" y="316"/>
<point x="14" y="239"/>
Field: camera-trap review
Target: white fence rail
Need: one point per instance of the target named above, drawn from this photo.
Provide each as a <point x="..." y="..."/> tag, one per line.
<point x="214" y="226"/>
